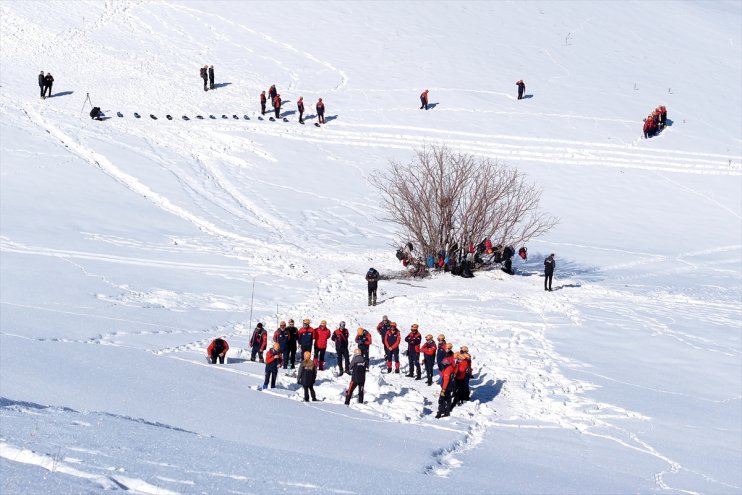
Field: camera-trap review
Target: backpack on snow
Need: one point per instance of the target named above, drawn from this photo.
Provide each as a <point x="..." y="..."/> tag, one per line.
<point x="95" y="113"/>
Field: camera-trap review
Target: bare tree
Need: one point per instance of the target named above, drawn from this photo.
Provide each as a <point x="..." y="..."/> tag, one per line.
<point x="442" y="198"/>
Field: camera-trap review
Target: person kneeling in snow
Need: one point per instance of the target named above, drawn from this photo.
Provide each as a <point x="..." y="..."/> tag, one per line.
<point x="357" y="376"/>
<point x="217" y="349"/>
<point x="272" y="362"/>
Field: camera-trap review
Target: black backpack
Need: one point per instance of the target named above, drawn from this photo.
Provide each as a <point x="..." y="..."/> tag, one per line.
<point x="400" y="254"/>
<point x="95" y="113"/>
<point x="218" y="346"/>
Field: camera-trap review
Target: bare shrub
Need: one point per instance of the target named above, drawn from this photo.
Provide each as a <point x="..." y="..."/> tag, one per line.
<point x="442" y="199"/>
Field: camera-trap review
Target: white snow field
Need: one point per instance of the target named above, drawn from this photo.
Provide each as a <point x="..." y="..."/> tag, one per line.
<point x="127" y="245"/>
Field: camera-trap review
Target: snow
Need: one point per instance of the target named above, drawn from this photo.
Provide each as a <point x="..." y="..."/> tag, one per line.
<point x="127" y="245"/>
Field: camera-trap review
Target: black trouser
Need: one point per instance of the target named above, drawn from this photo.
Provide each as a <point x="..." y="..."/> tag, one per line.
<point x="372" y="295"/>
<point x="520" y="93"/>
<point x="307" y="390"/>
<point x="211" y="82"/>
<point x="206" y="81"/>
<point x="278" y="111"/>
<point x="301" y="115"/>
<point x="42" y="88"/>
<point x="49" y="89"/>
<point x="424" y="104"/>
<point x="256" y="350"/>
<point x="262" y="108"/>
<point x="414" y="359"/>
<point x="351" y="388"/>
<point x="342" y="355"/>
<point x="547" y="280"/>
<point x="364" y="353"/>
<point x="286" y="353"/>
<point x="215" y="355"/>
<point x="462" y="391"/>
<point x="392" y="355"/>
<point x="292" y="353"/>
<point x="429" y="363"/>
<point x="271" y="374"/>
<point x="321" y="118"/>
<point x="444" y="402"/>
<point x="319" y="354"/>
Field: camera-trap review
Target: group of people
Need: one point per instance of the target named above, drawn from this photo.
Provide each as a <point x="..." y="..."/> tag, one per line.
<point x="45" y="84"/>
<point x="655" y="122"/>
<point x="454" y="368"/>
<point x="207" y="74"/>
<point x="275" y="100"/>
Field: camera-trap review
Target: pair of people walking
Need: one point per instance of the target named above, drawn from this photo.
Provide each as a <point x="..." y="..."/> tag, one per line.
<point x="45" y="84"/>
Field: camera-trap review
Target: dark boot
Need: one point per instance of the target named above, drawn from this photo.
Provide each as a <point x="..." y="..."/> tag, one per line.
<point x="388" y="370"/>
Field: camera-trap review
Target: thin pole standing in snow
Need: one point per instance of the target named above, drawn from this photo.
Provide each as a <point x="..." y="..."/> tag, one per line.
<point x="252" y="298"/>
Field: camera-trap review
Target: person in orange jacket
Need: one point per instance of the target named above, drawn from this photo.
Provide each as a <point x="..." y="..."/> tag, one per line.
<point x="258" y="341"/>
<point x="321" y="336"/>
<point x="444" y="400"/>
<point x="262" y="103"/>
<point x="320" y="107"/>
<point x="305" y="337"/>
<point x="424" y="100"/>
<point x="462" y="373"/>
<point x="392" y="339"/>
<point x="521" y="88"/>
<point x="300" y="108"/>
<point x="272" y="362"/>
<point x="429" y="350"/>
<point x="217" y="349"/>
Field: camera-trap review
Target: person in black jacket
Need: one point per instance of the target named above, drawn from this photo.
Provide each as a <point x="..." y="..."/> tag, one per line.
<point x="262" y="103"/>
<point x="521" y="88"/>
<point x="357" y="378"/>
<point x="205" y="76"/>
<point x="211" y="77"/>
<point x="372" y="277"/>
<point x="549" y="265"/>
<point x="282" y="335"/>
<point x="293" y="333"/>
<point x="41" y="83"/>
<point x="340" y="337"/>
<point x="307" y="376"/>
<point x="48" y="81"/>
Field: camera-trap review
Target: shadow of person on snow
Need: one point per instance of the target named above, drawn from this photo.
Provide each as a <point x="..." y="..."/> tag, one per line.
<point x="221" y="85"/>
<point x="63" y="93"/>
<point x="330" y="117"/>
<point x="432" y="105"/>
<point x="487" y="391"/>
<point x="525" y="97"/>
<point x="288" y="112"/>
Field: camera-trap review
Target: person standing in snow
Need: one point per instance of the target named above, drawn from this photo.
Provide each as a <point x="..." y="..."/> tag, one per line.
<point x="305" y="337"/>
<point x="321" y="336"/>
<point x="272" y="362"/>
<point x="41" y="83"/>
<point x="413" y="340"/>
<point x="48" y="82"/>
<point x="307" y="376"/>
<point x="293" y="338"/>
<point x="521" y="88"/>
<point x="272" y="92"/>
<point x="549" y="265"/>
<point x="392" y="339"/>
<point x="429" y="350"/>
<point x="383" y="327"/>
<point x="258" y="342"/>
<point x="320" y="107"/>
<point x="204" y="72"/>
<point x="462" y="373"/>
<point x="282" y="337"/>
<point x="444" y="400"/>
<point x="217" y="350"/>
<point x="262" y="103"/>
<point x="357" y="376"/>
<point x="424" y="100"/>
<point x="211" y="77"/>
<point x="300" y="108"/>
<point x="277" y="105"/>
<point x="363" y="339"/>
<point x="340" y="337"/>
<point x="372" y="277"/>
<point x="441" y="351"/>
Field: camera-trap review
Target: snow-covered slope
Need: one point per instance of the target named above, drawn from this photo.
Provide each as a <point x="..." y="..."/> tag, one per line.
<point x="127" y="245"/>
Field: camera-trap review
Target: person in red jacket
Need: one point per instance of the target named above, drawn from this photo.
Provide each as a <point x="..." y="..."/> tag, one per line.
<point x="488" y="246"/>
<point x="444" y="400"/>
<point x="217" y="349"/>
<point x="320" y="111"/>
<point x="340" y="337"/>
<point x="424" y="100"/>
<point x="321" y="336"/>
<point x="392" y="339"/>
<point x="429" y="350"/>
<point x="413" y="340"/>
<point x="258" y="341"/>
<point x="305" y="337"/>
<point x="441" y="352"/>
<point x="272" y="362"/>
<point x="277" y="105"/>
<point x="462" y="373"/>
<point x="300" y="108"/>
<point x="663" y="116"/>
<point x="262" y="103"/>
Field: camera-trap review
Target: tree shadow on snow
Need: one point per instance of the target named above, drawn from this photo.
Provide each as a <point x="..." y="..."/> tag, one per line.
<point x="487" y="391"/>
<point x="221" y="85"/>
<point x="63" y="93"/>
